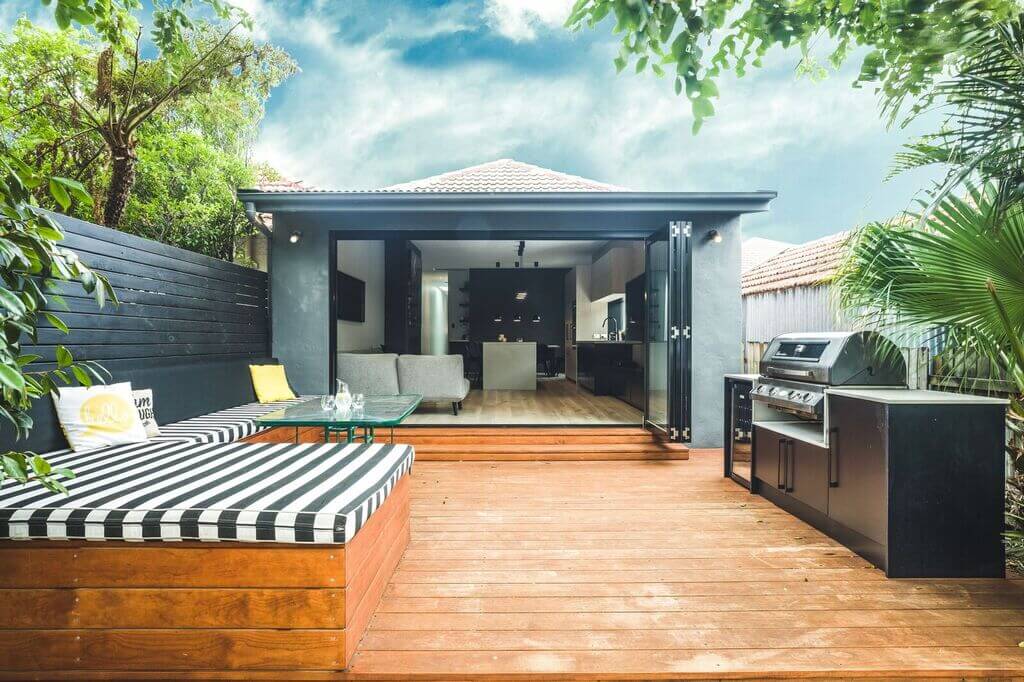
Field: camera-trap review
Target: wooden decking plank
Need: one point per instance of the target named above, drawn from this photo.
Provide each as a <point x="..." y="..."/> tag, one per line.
<point x="647" y="570"/>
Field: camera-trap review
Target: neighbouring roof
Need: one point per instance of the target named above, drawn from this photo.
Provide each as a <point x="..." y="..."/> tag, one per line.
<point x="807" y="264"/>
<point x="503" y="175"/>
<point x="757" y="250"/>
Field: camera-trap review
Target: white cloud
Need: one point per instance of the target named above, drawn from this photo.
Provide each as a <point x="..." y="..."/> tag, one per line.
<point x="366" y="118"/>
<point x="518" y="19"/>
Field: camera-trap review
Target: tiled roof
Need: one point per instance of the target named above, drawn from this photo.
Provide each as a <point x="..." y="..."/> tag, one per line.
<point x="503" y="175"/>
<point x="283" y="185"/>
<point x="757" y="250"/>
<point x="803" y="265"/>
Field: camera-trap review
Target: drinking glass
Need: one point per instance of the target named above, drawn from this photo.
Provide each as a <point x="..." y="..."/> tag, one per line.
<point x="327" y="403"/>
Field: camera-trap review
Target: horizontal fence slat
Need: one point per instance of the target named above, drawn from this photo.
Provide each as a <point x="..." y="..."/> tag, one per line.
<point x="118" y="238"/>
<point x="115" y="337"/>
<point x="134" y="263"/>
<point x="77" y="304"/>
<point x="124" y="322"/>
<point x="66" y="289"/>
<point x="143" y="351"/>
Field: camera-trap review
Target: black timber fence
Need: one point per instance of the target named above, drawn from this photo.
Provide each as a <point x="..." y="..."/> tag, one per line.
<point x="187" y="326"/>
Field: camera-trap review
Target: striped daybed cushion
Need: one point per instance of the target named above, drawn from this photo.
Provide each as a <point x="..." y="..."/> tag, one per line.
<point x="249" y="492"/>
<point x="224" y="426"/>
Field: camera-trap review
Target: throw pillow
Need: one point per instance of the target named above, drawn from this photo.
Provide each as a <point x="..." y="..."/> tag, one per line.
<point x="270" y="383"/>
<point x="97" y="416"/>
<point x="144" y="404"/>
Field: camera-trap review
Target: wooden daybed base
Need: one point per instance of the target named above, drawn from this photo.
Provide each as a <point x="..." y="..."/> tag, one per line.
<point x="117" y="609"/>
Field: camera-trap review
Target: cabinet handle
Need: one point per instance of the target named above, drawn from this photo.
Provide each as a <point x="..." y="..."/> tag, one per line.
<point x="833" y="457"/>
<point x="782" y="473"/>
<point x="790" y="466"/>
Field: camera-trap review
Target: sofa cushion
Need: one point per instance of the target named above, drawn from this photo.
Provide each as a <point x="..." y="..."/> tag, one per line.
<point x="369" y="373"/>
<point x="435" y="377"/>
<point x="224" y="426"/>
<point x="309" y="492"/>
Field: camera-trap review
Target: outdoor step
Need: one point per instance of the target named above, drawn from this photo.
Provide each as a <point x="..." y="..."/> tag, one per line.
<point x="525" y="439"/>
<point x="544" y="452"/>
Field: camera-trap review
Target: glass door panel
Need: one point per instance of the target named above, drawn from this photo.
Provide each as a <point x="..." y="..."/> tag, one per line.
<point x="657" y="414"/>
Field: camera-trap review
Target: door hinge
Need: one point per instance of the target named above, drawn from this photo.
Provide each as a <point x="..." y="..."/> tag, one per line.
<point x="675" y="332"/>
<point x="673" y="433"/>
<point x="685" y="332"/>
<point x="678" y="227"/>
<point x="686" y="435"/>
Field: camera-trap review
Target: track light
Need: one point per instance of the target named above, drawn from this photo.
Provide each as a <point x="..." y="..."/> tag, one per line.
<point x="714" y="236"/>
<point x="295" y="236"/>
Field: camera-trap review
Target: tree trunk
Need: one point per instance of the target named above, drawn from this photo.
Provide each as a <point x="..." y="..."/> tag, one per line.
<point x="122" y="179"/>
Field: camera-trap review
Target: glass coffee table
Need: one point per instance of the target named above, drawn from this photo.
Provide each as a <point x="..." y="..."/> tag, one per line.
<point x="378" y="410"/>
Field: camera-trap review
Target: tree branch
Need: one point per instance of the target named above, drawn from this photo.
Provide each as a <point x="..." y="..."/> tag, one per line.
<point x="144" y="112"/>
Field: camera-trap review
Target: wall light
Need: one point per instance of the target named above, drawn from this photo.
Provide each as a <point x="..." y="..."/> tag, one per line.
<point x="536" y="318"/>
<point x="497" y="318"/>
<point x="517" y="318"/>
<point x="295" y="236"/>
<point x="521" y="295"/>
<point x="714" y="236"/>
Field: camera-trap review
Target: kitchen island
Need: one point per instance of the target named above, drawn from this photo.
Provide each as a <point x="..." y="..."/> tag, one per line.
<point x="510" y="365"/>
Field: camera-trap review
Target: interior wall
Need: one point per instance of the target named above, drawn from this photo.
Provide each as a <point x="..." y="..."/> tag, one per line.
<point x="435" y="313"/>
<point x="493" y="293"/>
<point x="363" y="260"/>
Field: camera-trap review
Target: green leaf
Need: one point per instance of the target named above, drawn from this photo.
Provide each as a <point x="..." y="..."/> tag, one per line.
<point x="10" y="301"/>
<point x="64" y="357"/>
<point x="56" y="322"/>
<point x="83" y="377"/>
<point x="11" y="378"/>
<point x="58" y="192"/>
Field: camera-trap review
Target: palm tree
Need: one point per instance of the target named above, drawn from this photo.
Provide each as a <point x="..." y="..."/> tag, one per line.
<point x="949" y="269"/>
<point x="983" y="133"/>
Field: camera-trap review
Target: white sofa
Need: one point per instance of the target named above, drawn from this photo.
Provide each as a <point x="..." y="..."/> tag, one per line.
<point x="438" y="378"/>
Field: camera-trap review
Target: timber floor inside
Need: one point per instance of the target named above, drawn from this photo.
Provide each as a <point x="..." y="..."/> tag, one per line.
<point x="665" y="569"/>
<point x="557" y="401"/>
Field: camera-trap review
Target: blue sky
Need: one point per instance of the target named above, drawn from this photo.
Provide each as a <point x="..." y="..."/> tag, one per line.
<point x="395" y="90"/>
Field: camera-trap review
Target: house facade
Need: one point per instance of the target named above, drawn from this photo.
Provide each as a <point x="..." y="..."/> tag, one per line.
<point x="692" y="241"/>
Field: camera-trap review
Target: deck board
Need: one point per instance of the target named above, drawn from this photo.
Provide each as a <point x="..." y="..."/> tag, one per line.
<point x="584" y="570"/>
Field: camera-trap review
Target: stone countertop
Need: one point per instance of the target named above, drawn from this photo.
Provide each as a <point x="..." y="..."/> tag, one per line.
<point x="914" y="397"/>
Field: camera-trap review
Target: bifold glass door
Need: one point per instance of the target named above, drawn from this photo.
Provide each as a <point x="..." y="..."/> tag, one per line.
<point x="667" y="335"/>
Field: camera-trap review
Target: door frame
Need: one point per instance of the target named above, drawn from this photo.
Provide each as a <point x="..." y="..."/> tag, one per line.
<point x="681" y="282"/>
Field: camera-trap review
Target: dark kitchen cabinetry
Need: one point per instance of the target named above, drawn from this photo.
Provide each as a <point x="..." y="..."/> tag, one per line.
<point x="403" y="285"/>
<point x="613" y="368"/>
<point x="768" y="447"/>
<point x="914" y="487"/>
<point x="857" y="448"/>
<point x="635" y="307"/>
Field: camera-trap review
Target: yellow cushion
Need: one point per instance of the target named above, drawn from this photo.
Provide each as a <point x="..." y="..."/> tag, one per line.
<point x="270" y="383"/>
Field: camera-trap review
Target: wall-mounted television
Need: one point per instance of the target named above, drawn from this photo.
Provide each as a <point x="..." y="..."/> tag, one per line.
<point x="351" y="298"/>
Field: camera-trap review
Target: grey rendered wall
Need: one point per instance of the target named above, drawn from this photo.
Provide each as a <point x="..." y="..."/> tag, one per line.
<point x="717" y="323"/>
<point x="299" y="309"/>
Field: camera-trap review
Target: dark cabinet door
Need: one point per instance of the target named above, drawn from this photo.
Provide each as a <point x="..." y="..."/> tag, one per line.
<point x="808" y="474"/>
<point x="859" y="479"/>
<point x="769" y="457"/>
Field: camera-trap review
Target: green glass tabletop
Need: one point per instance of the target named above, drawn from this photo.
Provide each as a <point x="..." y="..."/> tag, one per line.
<point x="379" y="410"/>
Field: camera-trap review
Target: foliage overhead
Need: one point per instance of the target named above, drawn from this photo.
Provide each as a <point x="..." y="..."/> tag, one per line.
<point x="983" y="132"/>
<point x="116" y="22"/>
<point x="33" y="266"/>
<point x="69" y="109"/>
<point x="908" y="42"/>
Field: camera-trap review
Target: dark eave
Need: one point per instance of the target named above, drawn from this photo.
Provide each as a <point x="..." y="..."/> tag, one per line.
<point x="507" y="202"/>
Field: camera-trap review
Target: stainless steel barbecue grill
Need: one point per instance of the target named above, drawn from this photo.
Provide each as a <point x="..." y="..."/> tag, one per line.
<point x="797" y="368"/>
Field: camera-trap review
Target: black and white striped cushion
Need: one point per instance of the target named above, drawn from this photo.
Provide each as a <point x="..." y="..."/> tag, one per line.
<point x="224" y="426"/>
<point x="306" y="493"/>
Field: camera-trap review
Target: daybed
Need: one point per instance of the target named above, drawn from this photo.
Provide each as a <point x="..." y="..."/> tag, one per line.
<point x="196" y="554"/>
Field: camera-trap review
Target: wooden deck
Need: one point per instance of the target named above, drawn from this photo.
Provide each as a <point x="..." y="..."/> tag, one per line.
<point x="642" y="570"/>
